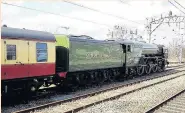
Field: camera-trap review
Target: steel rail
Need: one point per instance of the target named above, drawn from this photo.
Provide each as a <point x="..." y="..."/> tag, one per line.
<point x="52" y="90"/>
<point x="176" y="62"/>
<point x="156" y="107"/>
<point x="118" y="96"/>
<point x="98" y="92"/>
<point x="168" y="69"/>
<point x="176" y="66"/>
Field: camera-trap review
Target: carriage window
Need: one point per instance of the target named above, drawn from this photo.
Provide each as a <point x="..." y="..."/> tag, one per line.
<point x="11" y="52"/>
<point x="42" y="54"/>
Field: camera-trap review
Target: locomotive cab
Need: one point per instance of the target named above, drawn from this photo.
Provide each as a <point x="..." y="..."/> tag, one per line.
<point x="132" y="52"/>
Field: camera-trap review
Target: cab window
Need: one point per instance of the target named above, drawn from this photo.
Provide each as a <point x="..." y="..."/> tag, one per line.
<point x="11" y="52"/>
<point x="129" y="48"/>
<point x="41" y="51"/>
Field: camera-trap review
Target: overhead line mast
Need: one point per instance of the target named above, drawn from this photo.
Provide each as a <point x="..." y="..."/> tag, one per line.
<point x="174" y="19"/>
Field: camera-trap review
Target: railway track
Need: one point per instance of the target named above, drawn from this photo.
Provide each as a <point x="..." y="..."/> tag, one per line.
<point x="82" y="98"/>
<point x="174" y="104"/>
<point x="169" y="69"/>
<point x="51" y="93"/>
<point x="174" y="67"/>
<point x="52" y="89"/>
<point x="175" y="62"/>
<point x="171" y="66"/>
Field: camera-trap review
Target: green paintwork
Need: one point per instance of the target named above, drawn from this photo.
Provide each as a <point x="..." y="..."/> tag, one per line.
<point x="89" y="55"/>
<point x="62" y="40"/>
<point x="134" y="56"/>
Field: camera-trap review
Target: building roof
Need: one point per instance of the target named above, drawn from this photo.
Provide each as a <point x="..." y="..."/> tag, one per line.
<point x="24" y="34"/>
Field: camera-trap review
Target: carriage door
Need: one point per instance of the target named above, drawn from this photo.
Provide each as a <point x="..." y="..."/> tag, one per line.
<point x="16" y="58"/>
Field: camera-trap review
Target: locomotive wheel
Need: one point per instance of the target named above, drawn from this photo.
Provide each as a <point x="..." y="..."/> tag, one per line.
<point x="88" y="79"/>
<point x="101" y="77"/>
<point x="112" y="76"/>
<point x="82" y="79"/>
<point x="159" y="69"/>
<point x="63" y="85"/>
<point x="140" y="70"/>
<point x="148" y="69"/>
<point x="96" y="77"/>
<point x="154" y="69"/>
<point x="73" y="84"/>
<point x="78" y="79"/>
<point x="131" y="75"/>
<point x="92" y="77"/>
<point x="34" y="85"/>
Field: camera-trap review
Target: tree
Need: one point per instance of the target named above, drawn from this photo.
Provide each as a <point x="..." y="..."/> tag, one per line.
<point x="123" y="32"/>
<point x="174" y="51"/>
<point x="117" y="32"/>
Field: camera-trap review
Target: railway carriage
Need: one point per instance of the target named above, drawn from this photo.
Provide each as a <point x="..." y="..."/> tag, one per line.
<point x="27" y="59"/>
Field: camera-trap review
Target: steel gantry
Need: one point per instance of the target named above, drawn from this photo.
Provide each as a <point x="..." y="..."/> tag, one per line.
<point x="178" y="20"/>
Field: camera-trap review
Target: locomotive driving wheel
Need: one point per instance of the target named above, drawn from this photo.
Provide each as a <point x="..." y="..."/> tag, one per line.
<point x="154" y="69"/>
<point x="140" y="70"/>
<point x="111" y="75"/>
<point x="100" y="77"/>
<point x="148" y="68"/>
<point x="154" y="66"/>
<point x="83" y="79"/>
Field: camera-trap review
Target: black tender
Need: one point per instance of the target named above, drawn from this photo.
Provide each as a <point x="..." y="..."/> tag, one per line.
<point x="24" y="34"/>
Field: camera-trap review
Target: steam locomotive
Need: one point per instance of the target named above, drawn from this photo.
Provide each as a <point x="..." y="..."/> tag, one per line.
<point x="32" y="59"/>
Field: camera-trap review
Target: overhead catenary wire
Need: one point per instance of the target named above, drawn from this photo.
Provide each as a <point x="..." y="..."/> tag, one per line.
<point x="124" y="2"/>
<point x="75" y="18"/>
<point x="116" y="16"/>
<point x="176" y="6"/>
<point x="179" y="4"/>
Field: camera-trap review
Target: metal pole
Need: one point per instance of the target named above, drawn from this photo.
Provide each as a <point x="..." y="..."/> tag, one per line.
<point x="150" y="32"/>
<point x="180" y="52"/>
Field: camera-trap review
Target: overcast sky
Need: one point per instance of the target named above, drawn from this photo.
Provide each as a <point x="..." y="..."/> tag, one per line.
<point x="135" y="10"/>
